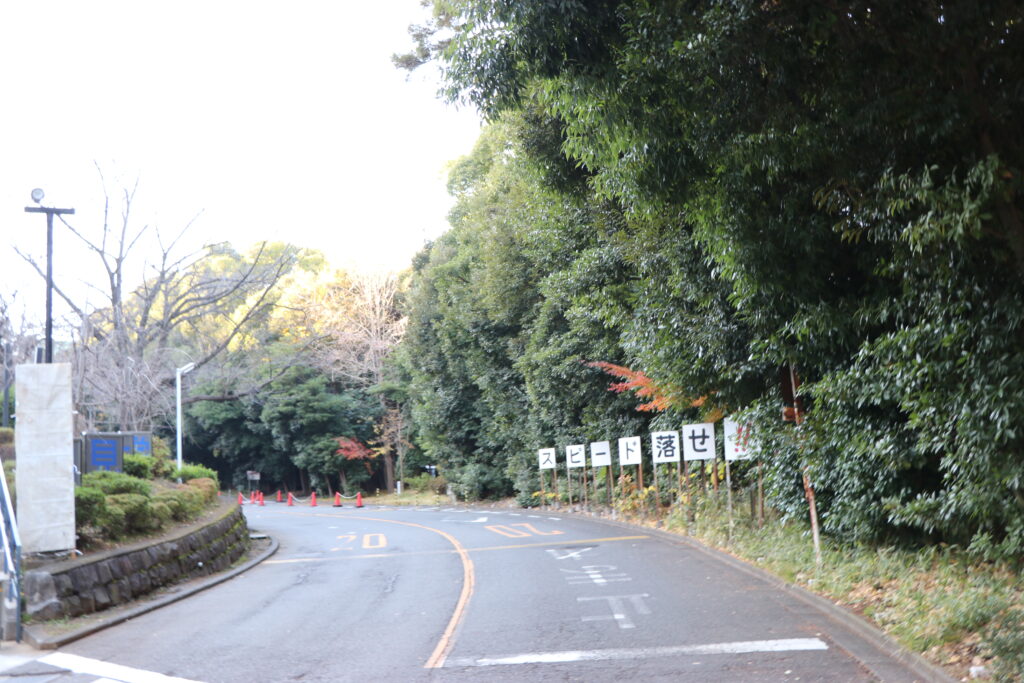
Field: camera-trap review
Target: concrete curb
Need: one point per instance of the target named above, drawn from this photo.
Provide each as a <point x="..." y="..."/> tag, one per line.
<point x="34" y="636"/>
<point x="925" y="670"/>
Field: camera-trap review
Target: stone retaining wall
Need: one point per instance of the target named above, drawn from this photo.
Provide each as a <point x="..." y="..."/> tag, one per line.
<point x="85" y="585"/>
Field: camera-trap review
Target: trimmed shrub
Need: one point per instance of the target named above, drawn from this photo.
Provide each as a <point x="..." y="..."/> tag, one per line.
<point x="10" y="469"/>
<point x="162" y="512"/>
<point x="6" y="436"/>
<point x="163" y="467"/>
<point x="207" y="486"/>
<point x="189" y="472"/>
<point x="184" y="502"/>
<point x="112" y="483"/>
<point x="90" y="507"/>
<point x="140" y="466"/>
<point x="138" y="516"/>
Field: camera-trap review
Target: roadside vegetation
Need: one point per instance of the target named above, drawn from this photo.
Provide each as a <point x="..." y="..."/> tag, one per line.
<point x="112" y="507"/>
<point x="805" y="216"/>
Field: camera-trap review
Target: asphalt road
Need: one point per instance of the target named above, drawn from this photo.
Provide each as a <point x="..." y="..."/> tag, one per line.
<point x="379" y="594"/>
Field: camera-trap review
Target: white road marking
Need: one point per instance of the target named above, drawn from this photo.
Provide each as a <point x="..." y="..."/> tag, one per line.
<point x="743" y="647"/>
<point x="594" y="574"/>
<point x="566" y="553"/>
<point x="618" y="607"/>
<point x="108" y="670"/>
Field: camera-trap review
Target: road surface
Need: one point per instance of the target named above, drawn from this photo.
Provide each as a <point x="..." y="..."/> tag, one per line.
<point x="410" y="594"/>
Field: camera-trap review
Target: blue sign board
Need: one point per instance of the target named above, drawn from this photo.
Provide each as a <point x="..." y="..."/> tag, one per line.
<point x="143" y="444"/>
<point x="103" y="453"/>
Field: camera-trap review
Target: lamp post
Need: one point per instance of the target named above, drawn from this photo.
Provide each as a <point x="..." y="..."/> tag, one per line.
<point x="177" y="385"/>
<point x="37" y="197"/>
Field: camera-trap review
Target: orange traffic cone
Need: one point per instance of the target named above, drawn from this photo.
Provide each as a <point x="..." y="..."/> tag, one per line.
<point x="279" y="495"/>
<point x="337" y="499"/>
<point x="260" y="494"/>
<point x="241" y="500"/>
<point x="359" y="499"/>
<point x="313" y="503"/>
<point x="290" y="500"/>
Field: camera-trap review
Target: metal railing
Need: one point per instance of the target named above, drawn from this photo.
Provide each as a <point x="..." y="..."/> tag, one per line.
<point x="12" y="560"/>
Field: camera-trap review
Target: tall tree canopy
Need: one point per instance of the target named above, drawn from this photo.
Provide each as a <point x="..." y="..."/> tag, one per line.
<point x="830" y="185"/>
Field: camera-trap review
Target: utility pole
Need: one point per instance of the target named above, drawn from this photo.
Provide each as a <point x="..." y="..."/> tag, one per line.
<point x="37" y="197"/>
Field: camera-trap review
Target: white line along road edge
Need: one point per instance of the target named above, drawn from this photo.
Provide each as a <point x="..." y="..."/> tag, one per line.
<point x="109" y="670"/>
<point x="783" y="645"/>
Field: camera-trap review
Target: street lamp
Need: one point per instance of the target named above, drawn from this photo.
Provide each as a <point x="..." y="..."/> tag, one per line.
<point x="185" y="369"/>
<point x="37" y="197"/>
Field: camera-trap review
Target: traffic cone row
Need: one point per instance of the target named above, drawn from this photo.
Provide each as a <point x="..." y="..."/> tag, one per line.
<point x="257" y="498"/>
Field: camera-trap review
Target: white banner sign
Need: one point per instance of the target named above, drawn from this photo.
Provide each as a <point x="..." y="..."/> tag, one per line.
<point x="738" y="444"/>
<point x="600" y="454"/>
<point x="546" y="458"/>
<point x="575" y="456"/>
<point x="699" y="441"/>
<point x="629" y="450"/>
<point x="664" y="447"/>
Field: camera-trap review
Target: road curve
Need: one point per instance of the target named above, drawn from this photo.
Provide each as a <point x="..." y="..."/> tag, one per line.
<point x="406" y="594"/>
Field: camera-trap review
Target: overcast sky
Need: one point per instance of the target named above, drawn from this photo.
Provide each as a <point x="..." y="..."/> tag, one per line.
<point x="268" y="120"/>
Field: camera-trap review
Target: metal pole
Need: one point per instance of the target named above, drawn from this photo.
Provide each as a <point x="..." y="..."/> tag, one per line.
<point x="48" y="348"/>
<point x="48" y="343"/>
<point x="7" y="385"/>
<point x="177" y="425"/>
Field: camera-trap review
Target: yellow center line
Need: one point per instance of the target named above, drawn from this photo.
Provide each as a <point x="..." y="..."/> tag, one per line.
<point x="444" y="646"/>
<point x="447" y="641"/>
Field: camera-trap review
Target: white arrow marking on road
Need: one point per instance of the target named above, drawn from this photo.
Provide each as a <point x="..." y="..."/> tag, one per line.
<point x="566" y="554"/>
<point x="743" y="647"/>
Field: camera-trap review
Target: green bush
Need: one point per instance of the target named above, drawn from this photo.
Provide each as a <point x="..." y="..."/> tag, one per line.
<point x="140" y="466"/>
<point x="163" y="468"/>
<point x="419" y="483"/>
<point x="184" y="502"/>
<point x="90" y="507"/>
<point x="112" y="483"/>
<point x="439" y="485"/>
<point x="207" y="486"/>
<point x="10" y="468"/>
<point x="1004" y="640"/>
<point x="162" y="512"/>
<point x="6" y="436"/>
<point x="189" y="472"/>
<point x="138" y="514"/>
<point x="113" y="524"/>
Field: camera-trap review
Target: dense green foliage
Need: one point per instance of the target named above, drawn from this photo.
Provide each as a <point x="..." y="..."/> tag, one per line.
<point x="710" y="192"/>
<point x="138" y="466"/>
<point x="288" y="431"/>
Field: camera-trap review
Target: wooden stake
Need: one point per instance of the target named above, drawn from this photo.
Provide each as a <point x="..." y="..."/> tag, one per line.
<point x="558" y="502"/>
<point x="608" y="483"/>
<point x="808" y="486"/>
<point x="760" y="494"/>
<point x="728" y="497"/>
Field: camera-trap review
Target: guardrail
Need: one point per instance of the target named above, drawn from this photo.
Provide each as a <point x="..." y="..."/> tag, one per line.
<point x="11" y="562"/>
